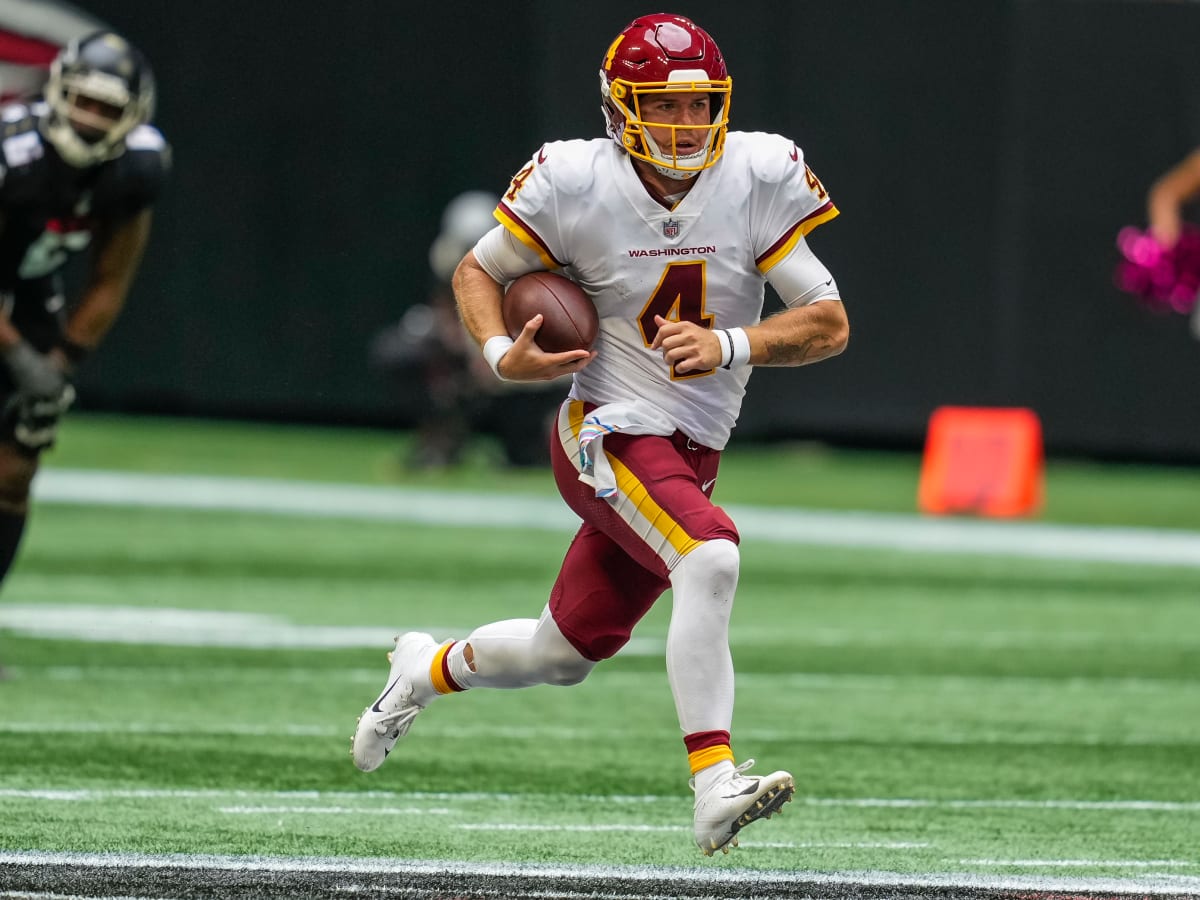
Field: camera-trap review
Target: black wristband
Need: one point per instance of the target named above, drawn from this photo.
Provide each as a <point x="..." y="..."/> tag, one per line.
<point x="76" y="353"/>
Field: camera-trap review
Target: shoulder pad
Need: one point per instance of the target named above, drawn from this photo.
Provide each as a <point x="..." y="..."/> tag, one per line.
<point x="133" y="181"/>
<point x="772" y="158"/>
<point x="147" y="146"/>
<point x="572" y="164"/>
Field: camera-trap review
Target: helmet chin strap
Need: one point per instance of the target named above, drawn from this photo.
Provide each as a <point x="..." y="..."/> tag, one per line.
<point x="668" y="171"/>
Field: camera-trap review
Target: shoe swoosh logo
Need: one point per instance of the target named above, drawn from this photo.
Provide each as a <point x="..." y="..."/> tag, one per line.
<point x="750" y="790"/>
<point x="376" y="708"/>
<point x="704" y="487"/>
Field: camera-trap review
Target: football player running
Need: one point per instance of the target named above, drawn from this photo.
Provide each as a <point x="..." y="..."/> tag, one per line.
<point x="80" y="169"/>
<point x="673" y="225"/>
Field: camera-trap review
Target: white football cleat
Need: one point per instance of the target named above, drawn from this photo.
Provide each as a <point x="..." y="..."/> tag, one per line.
<point x="731" y="804"/>
<point x="388" y="719"/>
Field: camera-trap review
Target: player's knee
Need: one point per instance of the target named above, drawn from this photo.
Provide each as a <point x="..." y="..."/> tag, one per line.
<point x="566" y="667"/>
<point x="719" y="560"/>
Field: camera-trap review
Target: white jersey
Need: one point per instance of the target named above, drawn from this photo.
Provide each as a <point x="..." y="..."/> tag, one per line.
<point x="581" y="207"/>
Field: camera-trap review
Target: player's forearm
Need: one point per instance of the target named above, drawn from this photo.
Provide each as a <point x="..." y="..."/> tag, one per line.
<point x="94" y="315"/>
<point x="9" y="336"/>
<point x="478" y="296"/>
<point x="798" y="337"/>
<point x="118" y="255"/>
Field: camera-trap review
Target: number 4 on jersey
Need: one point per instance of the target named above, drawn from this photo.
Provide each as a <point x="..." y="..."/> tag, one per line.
<point x="679" y="297"/>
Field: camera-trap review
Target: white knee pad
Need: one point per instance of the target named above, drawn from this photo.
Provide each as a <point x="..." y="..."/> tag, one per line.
<point x="523" y="652"/>
<point x="562" y="664"/>
<point x="708" y="572"/>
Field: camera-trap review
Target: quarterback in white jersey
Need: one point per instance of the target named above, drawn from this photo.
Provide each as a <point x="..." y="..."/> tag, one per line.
<point x="672" y="226"/>
<point x="580" y="207"/>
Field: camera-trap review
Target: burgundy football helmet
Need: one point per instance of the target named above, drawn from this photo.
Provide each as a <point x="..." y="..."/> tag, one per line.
<point x="659" y="54"/>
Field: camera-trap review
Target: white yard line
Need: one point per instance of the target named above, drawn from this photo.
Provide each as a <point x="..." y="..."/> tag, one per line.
<point x="912" y="533"/>
<point x="73" y="795"/>
<point x="1082" y="863"/>
<point x="559" y="734"/>
<point x="591" y="874"/>
<point x="334" y="811"/>
<point x="166" y="625"/>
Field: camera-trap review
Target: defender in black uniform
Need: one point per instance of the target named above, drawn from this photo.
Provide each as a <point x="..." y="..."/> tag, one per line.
<point x="78" y="172"/>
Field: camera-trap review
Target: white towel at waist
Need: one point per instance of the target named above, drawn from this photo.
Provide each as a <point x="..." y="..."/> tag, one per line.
<point x="629" y="416"/>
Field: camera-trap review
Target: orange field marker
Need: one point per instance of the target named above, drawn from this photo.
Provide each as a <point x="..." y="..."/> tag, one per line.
<point x="984" y="461"/>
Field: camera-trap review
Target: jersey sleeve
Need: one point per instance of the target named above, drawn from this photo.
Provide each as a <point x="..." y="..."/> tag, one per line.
<point x="135" y="180"/>
<point x="528" y="209"/>
<point x="788" y="200"/>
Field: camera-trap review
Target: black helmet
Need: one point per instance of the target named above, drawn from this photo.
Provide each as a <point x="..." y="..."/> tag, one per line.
<point x="100" y="89"/>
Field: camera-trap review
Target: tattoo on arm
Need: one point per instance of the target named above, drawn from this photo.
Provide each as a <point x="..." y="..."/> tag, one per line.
<point x="813" y="349"/>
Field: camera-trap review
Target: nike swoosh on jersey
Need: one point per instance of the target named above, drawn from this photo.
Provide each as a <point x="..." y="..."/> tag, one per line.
<point x="704" y="487"/>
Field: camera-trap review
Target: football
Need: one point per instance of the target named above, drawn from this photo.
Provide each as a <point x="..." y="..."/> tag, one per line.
<point x="569" y="319"/>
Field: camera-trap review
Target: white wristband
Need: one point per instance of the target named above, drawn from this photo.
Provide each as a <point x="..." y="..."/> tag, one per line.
<point x="726" y="346"/>
<point x="741" y="348"/>
<point x="735" y="347"/>
<point x="494" y="349"/>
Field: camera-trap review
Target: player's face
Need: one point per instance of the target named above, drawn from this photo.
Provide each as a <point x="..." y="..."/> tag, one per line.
<point x="679" y="118"/>
<point x="92" y="118"/>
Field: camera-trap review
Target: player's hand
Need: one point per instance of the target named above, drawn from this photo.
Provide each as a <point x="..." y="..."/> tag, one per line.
<point x="686" y="346"/>
<point x="34" y="374"/>
<point x="42" y="395"/>
<point x="526" y="361"/>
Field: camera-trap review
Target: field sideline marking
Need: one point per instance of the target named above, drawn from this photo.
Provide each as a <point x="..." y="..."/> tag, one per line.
<point x="73" y="795"/>
<point x="153" y="624"/>
<point x="1081" y="863"/>
<point x="557" y="733"/>
<point x="911" y="533"/>
<point x="595" y="873"/>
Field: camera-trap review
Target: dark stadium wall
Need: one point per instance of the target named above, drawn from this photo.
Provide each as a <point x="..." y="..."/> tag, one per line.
<point x="983" y="155"/>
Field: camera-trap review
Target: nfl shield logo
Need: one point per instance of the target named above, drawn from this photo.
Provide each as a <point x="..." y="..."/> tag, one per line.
<point x="670" y="228"/>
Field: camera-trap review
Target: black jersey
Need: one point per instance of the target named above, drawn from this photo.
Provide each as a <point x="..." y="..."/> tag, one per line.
<point x="48" y="209"/>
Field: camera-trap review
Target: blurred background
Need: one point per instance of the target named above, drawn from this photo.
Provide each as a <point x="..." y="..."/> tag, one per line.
<point x="984" y="156"/>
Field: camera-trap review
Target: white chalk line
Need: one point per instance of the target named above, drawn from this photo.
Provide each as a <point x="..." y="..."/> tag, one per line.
<point x="910" y="533"/>
<point x="1158" y="884"/>
<point x="76" y="795"/>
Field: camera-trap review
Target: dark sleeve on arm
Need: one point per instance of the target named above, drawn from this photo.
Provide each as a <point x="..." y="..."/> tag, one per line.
<point x="134" y="182"/>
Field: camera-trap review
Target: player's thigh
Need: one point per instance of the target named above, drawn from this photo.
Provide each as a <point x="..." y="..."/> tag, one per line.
<point x="601" y="594"/>
<point x="660" y="511"/>
<point x="17" y="468"/>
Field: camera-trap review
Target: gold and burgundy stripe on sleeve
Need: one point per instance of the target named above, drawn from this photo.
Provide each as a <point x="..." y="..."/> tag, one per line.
<point x="439" y="671"/>
<point x="525" y="235"/>
<point x="784" y="245"/>
<point x="706" y="748"/>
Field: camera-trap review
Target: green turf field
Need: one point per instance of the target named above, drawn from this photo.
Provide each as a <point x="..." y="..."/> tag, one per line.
<point x="186" y="680"/>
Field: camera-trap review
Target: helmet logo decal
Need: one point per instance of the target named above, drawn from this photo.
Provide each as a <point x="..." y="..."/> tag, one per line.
<point x="612" y="51"/>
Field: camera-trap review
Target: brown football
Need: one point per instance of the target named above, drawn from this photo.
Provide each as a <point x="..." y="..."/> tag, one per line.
<point x="569" y="319"/>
